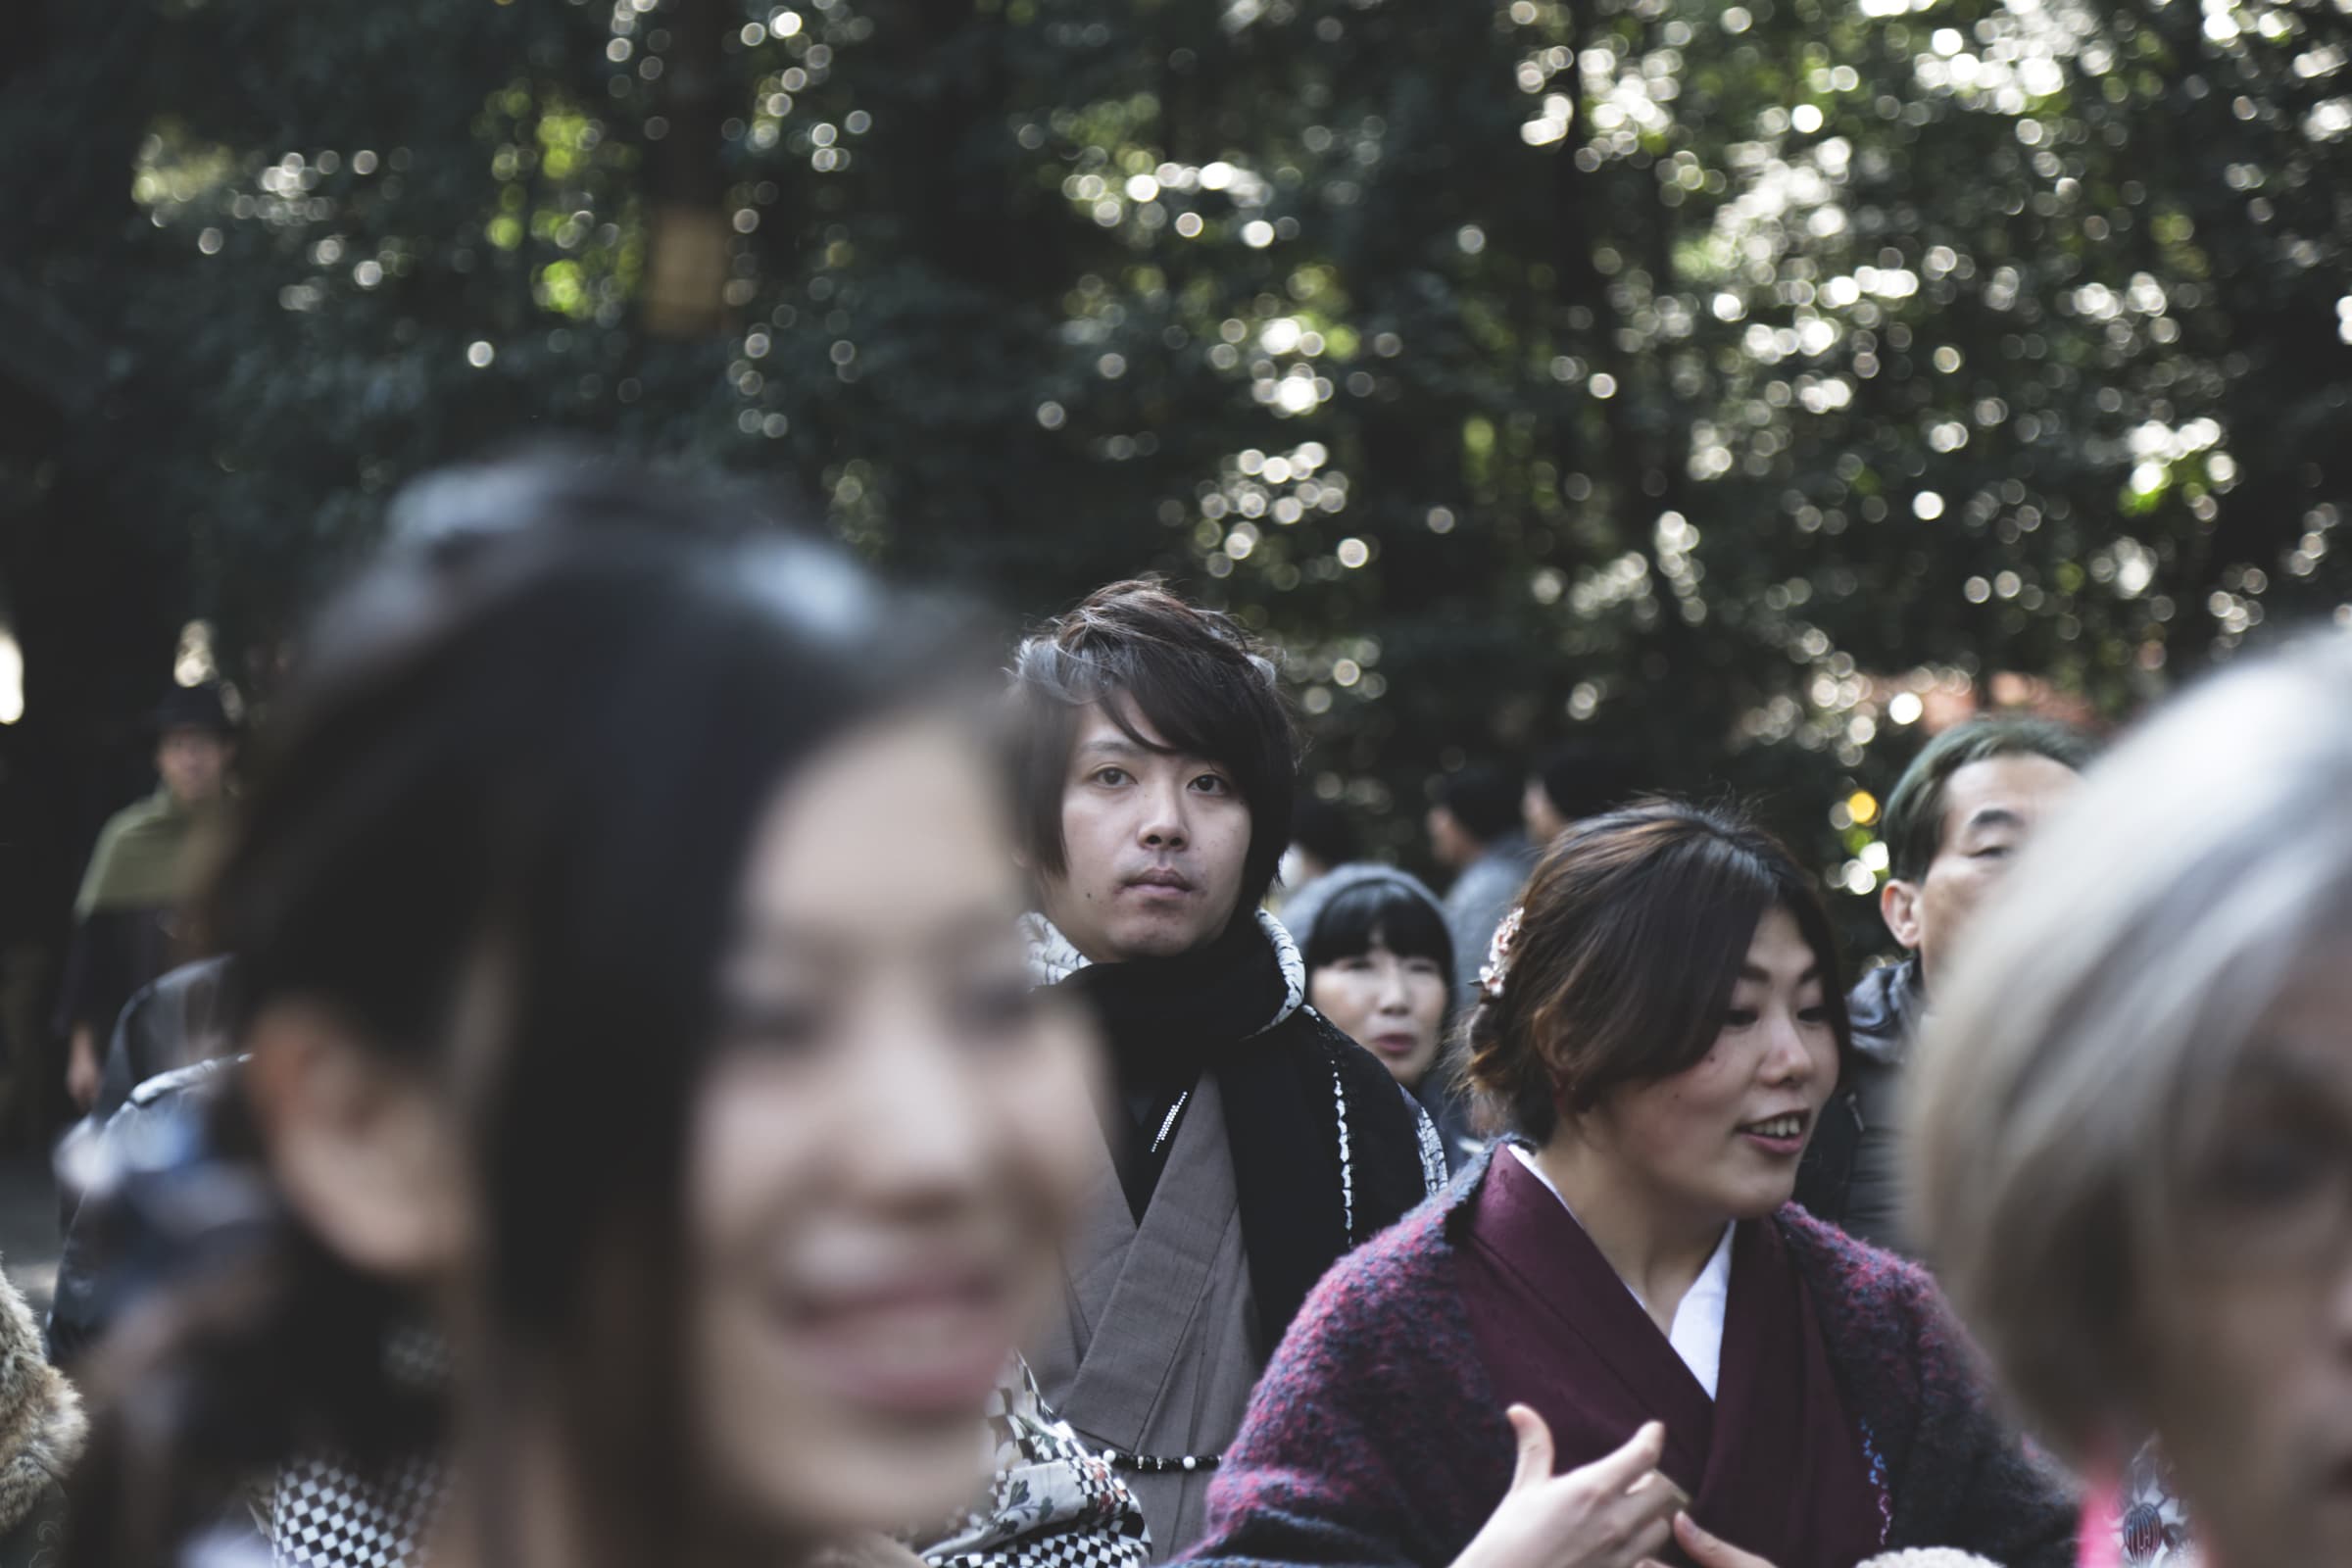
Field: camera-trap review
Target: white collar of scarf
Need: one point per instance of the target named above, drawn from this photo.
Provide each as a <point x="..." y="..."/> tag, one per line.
<point x="1054" y="958"/>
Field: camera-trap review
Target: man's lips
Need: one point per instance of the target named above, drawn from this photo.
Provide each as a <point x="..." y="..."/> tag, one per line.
<point x="1161" y="881"/>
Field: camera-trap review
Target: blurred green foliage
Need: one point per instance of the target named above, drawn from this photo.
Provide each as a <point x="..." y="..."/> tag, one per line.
<point x="1740" y="382"/>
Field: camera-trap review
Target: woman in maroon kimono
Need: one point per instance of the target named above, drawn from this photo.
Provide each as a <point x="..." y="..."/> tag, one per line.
<point x="1661" y="1022"/>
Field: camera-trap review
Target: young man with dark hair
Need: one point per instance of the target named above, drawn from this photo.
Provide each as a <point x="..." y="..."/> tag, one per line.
<point x="1955" y="819"/>
<point x="1475" y="832"/>
<point x="1248" y="1145"/>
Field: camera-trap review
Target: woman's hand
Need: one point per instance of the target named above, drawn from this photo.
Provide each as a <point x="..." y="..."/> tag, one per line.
<point x="1711" y="1551"/>
<point x="1613" y="1513"/>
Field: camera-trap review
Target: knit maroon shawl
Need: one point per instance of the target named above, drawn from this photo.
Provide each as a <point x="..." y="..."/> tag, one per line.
<point x="1377" y="1439"/>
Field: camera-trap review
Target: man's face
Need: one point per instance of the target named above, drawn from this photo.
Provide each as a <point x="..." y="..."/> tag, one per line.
<point x="193" y="762"/>
<point x="1543" y="818"/>
<point x="1153" y="846"/>
<point x="1989" y="810"/>
<point x="1450" y="843"/>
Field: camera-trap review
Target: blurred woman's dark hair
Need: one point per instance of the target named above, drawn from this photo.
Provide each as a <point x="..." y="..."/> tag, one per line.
<point x="522" y="762"/>
<point x="1193" y="674"/>
<point x="1632" y="933"/>
<point x="1382" y="912"/>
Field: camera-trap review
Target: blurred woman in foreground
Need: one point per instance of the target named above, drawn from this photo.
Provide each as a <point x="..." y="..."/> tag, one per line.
<point x="1717" y="1377"/>
<point x="635" y="1010"/>
<point x="2133" y="1119"/>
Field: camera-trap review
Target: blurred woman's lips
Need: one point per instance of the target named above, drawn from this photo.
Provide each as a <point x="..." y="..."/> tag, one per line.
<point x="1396" y="1044"/>
<point x="929" y="1344"/>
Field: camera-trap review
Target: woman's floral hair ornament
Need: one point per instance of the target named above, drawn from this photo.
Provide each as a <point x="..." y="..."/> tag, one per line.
<point x="1496" y="970"/>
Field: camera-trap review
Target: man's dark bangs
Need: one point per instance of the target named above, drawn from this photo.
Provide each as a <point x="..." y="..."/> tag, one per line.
<point x="1381" y="914"/>
<point x="1199" y="709"/>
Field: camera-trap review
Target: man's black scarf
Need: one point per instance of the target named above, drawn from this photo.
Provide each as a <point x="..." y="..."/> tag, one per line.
<point x="1214" y="1012"/>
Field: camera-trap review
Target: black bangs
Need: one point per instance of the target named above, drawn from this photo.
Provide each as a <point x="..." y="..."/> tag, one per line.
<point x="1383" y="913"/>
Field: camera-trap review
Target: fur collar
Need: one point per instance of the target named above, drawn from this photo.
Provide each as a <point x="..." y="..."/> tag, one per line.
<point x="41" y="1425"/>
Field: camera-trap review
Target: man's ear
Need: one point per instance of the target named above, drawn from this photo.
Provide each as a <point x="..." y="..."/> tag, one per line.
<point x="1899" y="906"/>
<point x="365" y="1152"/>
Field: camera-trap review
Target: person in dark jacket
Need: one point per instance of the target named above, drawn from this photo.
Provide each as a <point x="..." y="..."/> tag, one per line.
<point x="1247" y="1143"/>
<point x="1625" y="1290"/>
<point x="142" y="867"/>
<point x="1380" y="965"/>
<point x="1961" y="810"/>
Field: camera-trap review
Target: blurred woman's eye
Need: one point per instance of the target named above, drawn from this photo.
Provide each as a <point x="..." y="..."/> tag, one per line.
<point x="1816" y="1013"/>
<point x="1739" y="1019"/>
<point x="1427" y="966"/>
<point x="1360" y="964"/>
<point x="776" y="1025"/>
<point x="2266" y="1169"/>
<point x="996" y="1007"/>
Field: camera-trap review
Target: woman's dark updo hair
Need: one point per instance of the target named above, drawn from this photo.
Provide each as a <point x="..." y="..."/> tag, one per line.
<point x="1632" y="933"/>
<point x="532" y="745"/>
<point x="1384" y="912"/>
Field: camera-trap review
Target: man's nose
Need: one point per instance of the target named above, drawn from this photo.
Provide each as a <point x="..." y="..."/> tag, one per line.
<point x="1164" y="825"/>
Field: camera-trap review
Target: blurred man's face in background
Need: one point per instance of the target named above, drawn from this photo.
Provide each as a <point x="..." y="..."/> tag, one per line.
<point x="193" y="764"/>
<point x="1989" y="811"/>
<point x="1543" y="818"/>
<point x="1153" y="846"/>
<point x="1450" y="843"/>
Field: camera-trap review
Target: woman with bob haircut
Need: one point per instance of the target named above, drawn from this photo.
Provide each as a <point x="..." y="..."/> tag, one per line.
<point x="1380" y="967"/>
<point x="1623" y="1291"/>
<point x="2133" y="1115"/>
<point x="649" y="1147"/>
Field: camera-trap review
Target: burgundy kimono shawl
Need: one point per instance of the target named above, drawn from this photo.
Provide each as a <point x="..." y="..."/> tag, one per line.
<point x="1375" y="1438"/>
<point x="1772" y="1463"/>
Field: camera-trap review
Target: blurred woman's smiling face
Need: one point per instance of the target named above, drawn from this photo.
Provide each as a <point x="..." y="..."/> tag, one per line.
<point x="886" y="1150"/>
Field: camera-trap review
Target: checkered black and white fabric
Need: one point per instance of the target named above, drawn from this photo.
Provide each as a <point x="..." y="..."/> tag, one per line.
<point x="325" y="1514"/>
<point x="1051" y="1504"/>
